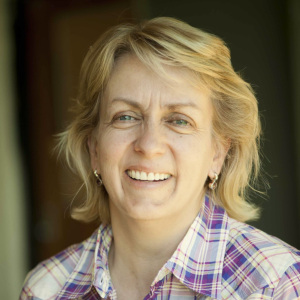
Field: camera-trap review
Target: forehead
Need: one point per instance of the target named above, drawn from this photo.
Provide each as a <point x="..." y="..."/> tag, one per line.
<point x="133" y="79"/>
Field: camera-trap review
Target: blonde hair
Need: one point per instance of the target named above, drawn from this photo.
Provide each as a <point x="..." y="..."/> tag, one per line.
<point x="169" y="41"/>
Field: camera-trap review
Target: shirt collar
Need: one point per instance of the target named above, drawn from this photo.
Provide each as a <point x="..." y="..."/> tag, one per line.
<point x="80" y="281"/>
<point x="102" y="279"/>
<point x="198" y="260"/>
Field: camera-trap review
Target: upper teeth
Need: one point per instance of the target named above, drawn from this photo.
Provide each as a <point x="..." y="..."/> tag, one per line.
<point x="147" y="176"/>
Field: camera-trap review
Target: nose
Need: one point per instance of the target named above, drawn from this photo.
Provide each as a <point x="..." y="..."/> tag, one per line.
<point x="150" y="141"/>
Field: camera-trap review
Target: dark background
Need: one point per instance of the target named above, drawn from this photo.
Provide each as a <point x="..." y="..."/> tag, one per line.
<point x="52" y="38"/>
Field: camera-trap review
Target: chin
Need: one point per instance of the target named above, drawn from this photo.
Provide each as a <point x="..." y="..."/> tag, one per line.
<point x="146" y="211"/>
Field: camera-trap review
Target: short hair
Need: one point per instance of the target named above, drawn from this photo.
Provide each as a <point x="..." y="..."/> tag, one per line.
<point x="168" y="41"/>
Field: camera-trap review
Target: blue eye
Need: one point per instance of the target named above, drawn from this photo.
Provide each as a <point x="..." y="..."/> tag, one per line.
<point x="181" y="122"/>
<point x="126" y="118"/>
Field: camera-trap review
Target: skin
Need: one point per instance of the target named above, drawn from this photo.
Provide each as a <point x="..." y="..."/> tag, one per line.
<point x="152" y="125"/>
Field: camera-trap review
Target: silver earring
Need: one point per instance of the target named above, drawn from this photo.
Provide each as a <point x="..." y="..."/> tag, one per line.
<point x="99" y="180"/>
<point x="213" y="184"/>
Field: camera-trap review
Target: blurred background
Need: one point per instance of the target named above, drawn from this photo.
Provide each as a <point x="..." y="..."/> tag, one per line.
<point x="42" y="45"/>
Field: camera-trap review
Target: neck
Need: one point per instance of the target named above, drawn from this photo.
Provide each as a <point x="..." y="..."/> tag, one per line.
<point x="141" y="247"/>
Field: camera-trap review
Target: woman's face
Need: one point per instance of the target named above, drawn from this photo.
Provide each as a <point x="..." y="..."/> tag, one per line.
<point x="154" y="147"/>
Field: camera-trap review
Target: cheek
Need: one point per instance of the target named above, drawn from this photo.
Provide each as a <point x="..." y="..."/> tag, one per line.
<point x="112" y="148"/>
<point x="194" y="156"/>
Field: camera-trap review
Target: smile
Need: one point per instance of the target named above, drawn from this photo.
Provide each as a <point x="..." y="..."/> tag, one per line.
<point x="137" y="175"/>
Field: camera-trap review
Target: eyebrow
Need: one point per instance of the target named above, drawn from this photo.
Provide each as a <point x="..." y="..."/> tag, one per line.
<point x="172" y="107"/>
<point x="127" y="101"/>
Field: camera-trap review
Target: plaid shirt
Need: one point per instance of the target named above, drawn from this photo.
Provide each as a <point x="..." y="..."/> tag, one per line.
<point x="219" y="258"/>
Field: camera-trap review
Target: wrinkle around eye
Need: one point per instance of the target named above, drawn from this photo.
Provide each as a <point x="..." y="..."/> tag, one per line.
<point x="180" y="122"/>
<point x="181" y="129"/>
<point x="125" y="120"/>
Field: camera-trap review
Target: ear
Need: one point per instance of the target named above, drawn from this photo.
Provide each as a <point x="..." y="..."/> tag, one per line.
<point x="93" y="150"/>
<point x="219" y="158"/>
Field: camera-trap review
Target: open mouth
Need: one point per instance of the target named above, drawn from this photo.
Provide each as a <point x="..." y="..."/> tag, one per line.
<point x="143" y="176"/>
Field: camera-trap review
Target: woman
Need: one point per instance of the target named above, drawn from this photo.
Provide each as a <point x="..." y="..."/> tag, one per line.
<point x="166" y="140"/>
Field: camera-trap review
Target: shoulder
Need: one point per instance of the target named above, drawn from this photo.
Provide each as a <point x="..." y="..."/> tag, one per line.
<point x="252" y="242"/>
<point x="255" y="260"/>
<point x="49" y="276"/>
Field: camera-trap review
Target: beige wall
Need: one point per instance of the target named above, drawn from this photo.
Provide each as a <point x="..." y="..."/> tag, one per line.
<point x="13" y="247"/>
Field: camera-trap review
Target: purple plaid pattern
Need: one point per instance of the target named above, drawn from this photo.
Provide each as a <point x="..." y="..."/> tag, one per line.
<point x="219" y="258"/>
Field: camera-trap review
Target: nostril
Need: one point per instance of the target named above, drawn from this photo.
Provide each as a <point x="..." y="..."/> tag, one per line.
<point x="150" y="143"/>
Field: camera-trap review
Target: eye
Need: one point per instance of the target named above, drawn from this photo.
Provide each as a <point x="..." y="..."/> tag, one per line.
<point x="126" y="118"/>
<point x="181" y="122"/>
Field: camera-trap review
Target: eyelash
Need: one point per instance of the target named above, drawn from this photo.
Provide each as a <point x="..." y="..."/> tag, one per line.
<point x="130" y="118"/>
<point x="172" y="120"/>
<point x="123" y="116"/>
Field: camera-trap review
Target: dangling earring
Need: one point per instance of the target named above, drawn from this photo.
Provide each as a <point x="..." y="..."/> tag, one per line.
<point x="213" y="184"/>
<point x="99" y="180"/>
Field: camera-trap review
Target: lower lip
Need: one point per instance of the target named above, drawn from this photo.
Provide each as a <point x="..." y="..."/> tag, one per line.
<point x="146" y="183"/>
